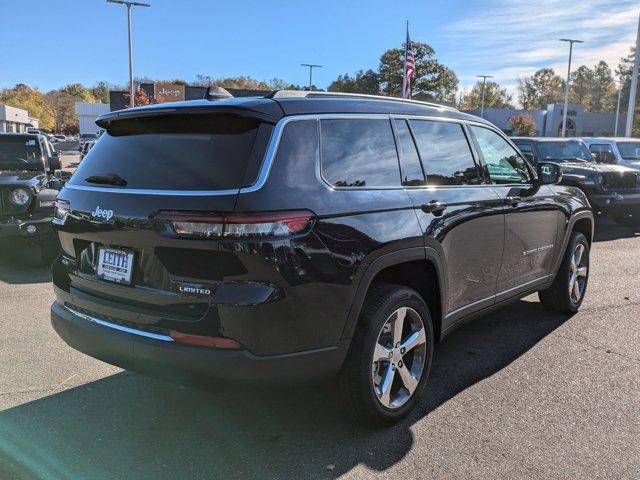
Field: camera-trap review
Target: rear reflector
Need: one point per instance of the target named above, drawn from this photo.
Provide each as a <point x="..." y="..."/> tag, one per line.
<point x="202" y="341"/>
<point x="237" y="226"/>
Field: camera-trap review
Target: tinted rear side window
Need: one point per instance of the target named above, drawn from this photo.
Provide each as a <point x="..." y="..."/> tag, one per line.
<point x="178" y="152"/>
<point x="359" y="153"/>
<point x="410" y="168"/>
<point x="445" y="153"/>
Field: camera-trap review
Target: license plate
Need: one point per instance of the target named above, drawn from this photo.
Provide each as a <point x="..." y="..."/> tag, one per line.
<point x="115" y="265"/>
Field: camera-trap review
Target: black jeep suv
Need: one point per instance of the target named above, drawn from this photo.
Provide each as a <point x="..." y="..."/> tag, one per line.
<point x="28" y="189"/>
<point x="306" y="235"/>
<point x="611" y="189"/>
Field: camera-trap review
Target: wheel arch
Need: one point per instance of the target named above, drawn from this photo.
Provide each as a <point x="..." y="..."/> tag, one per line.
<point x="581" y="221"/>
<point x="418" y="268"/>
<point x="584" y="225"/>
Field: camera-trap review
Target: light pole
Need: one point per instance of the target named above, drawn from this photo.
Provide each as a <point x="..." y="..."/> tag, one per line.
<point x="615" y="130"/>
<point x="566" y="87"/>
<point x="484" y="82"/>
<point x="631" y="107"/>
<point x="129" y="5"/>
<point x="311" y="67"/>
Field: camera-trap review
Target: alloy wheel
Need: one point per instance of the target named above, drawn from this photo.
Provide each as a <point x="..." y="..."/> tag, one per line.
<point x="399" y="357"/>
<point x="578" y="271"/>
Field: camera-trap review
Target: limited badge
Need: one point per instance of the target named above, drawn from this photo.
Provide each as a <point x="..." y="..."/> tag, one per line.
<point x="194" y="290"/>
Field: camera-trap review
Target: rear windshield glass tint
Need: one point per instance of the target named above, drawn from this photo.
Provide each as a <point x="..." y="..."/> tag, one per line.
<point x="180" y="152"/>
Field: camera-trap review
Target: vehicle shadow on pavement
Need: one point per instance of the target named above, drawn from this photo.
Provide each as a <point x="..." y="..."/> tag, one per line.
<point x="606" y="229"/>
<point x="129" y="426"/>
<point x="21" y="264"/>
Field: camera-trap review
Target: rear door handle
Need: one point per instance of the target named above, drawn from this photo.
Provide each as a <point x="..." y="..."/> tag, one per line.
<point x="434" y="206"/>
<point x="514" y="200"/>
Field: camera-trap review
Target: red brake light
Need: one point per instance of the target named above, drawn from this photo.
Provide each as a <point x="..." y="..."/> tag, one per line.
<point x="237" y="226"/>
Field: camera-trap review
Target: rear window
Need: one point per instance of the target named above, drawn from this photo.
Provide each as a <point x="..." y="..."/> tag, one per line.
<point x="359" y="153"/>
<point x="180" y="152"/>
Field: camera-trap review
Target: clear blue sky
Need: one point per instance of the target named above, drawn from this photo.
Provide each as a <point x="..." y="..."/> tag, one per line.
<point x="51" y="43"/>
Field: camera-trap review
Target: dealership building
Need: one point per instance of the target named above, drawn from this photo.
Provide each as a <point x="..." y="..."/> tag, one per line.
<point x="170" y="92"/>
<point x="580" y="123"/>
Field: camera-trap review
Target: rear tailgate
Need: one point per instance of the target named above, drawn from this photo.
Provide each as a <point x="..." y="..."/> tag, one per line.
<point x="119" y="261"/>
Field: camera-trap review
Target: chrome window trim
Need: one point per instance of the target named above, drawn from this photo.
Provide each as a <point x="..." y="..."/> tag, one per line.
<point x="272" y="150"/>
<point x="121" y="328"/>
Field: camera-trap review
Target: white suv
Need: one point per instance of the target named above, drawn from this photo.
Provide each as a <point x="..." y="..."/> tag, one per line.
<point x="620" y="150"/>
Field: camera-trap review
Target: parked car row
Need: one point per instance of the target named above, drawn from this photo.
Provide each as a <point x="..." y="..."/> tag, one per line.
<point x="610" y="181"/>
<point x="620" y="151"/>
<point x="29" y="184"/>
<point x="306" y="235"/>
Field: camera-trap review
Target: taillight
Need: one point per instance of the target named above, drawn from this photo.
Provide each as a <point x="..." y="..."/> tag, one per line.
<point x="235" y="226"/>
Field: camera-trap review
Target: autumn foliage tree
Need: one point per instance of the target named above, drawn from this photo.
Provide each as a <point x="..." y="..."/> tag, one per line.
<point x="139" y="98"/>
<point x="495" y="96"/>
<point x="523" y="125"/>
<point x="432" y="80"/>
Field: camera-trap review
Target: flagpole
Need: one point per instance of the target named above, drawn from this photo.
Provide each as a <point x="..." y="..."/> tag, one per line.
<point x="404" y="64"/>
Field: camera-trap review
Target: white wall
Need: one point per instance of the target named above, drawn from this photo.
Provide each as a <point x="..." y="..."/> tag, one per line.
<point x="13" y="119"/>
<point x="87" y="114"/>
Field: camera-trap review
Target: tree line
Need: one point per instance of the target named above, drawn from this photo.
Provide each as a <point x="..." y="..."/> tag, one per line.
<point x="594" y="87"/>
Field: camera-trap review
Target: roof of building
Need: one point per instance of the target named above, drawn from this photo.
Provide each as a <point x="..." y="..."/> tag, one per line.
<point x="286" y="103"/>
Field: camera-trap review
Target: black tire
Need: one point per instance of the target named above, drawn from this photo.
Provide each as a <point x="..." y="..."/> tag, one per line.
<point x="355" y="382"/>
<point x="49" y="250"/>
<point x="557" y="297"/>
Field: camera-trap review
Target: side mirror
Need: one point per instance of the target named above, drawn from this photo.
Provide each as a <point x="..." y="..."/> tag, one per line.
<point x="549" y="173"/>
<point x="55" y="163"/>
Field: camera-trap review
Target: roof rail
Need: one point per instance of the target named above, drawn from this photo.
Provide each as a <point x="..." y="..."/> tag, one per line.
<point x="313" y="93"/>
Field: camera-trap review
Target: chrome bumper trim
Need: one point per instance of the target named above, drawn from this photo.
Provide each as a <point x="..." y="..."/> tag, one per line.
<point x="122" y="328"/>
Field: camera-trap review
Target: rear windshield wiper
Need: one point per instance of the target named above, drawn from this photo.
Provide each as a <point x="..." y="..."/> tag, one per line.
<point x="108" y="179"/>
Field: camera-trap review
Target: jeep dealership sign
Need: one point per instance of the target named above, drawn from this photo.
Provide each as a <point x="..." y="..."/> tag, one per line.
<point x="168" y="92"/>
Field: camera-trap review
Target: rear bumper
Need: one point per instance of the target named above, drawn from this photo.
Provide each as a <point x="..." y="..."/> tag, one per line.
<point x="19" y="228"/>
<point x="614" y="201"/>
<point x="137" y="351"/>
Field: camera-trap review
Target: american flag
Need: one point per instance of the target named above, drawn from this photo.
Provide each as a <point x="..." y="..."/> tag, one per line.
<point x="409" y="67"/>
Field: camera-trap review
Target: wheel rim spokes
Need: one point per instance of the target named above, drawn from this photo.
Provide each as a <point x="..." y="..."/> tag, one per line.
<point x="398" y="357"/>
<point x="578" y="271"/>
<point x="398" y="325"/>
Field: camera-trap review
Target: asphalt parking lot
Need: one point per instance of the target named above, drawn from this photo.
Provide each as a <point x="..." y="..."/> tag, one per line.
<point x="522" y="393"/>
